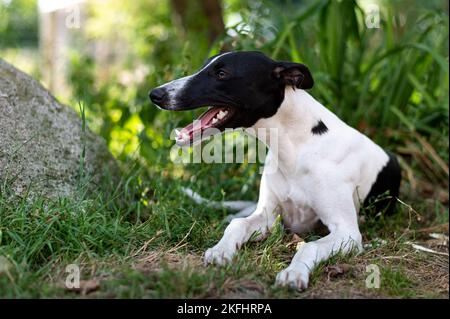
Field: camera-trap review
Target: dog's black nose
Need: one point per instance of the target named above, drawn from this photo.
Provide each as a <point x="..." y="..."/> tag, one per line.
<point x="158" y="95"/>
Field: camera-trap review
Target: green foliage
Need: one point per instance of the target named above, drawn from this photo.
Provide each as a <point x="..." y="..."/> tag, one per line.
<point x="391" y="83"/>
<point x="18" y="23"/>
<point x="384" y="81"/>
<point x="115" y="237"/>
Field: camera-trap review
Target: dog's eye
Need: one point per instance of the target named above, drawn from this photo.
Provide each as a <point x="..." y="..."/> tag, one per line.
<point x="221" y="74"/>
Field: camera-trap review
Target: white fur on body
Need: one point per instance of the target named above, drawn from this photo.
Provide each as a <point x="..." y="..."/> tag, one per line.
<point x="319" y="177"/>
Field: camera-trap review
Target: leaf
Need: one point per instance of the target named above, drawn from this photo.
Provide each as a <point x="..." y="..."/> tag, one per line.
<point x="296" y="241"/>
<point x="337" y="270"/>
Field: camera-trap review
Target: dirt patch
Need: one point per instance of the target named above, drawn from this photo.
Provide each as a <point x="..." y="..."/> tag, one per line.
<point x="243" y="289"/>
<point x="153" y="261"/>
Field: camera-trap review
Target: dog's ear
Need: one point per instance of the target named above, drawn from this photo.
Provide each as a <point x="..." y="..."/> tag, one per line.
<point x="294" y="74"/>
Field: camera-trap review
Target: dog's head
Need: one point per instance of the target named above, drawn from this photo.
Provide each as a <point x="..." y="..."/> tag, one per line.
<point x="238" y="87"/>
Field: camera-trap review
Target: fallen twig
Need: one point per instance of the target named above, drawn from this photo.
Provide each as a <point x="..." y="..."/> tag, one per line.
<point x="428" y="250"/>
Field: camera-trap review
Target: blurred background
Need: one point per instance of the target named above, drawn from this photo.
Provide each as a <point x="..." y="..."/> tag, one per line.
<point x="382" y="66"/>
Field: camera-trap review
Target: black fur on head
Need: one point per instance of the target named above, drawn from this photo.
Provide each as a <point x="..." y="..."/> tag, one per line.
<point x="247" y="86"/>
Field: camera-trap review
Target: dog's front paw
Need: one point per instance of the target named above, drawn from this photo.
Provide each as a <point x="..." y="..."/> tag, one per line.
<point x="293" y="278"/>
<point x="218" y="255"/>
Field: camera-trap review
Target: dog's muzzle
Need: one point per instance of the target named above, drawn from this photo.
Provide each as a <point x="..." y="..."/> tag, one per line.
<point x="158" y="96"/>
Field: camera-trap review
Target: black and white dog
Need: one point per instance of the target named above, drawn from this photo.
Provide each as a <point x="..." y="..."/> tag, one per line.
<point x="325" y="170"/>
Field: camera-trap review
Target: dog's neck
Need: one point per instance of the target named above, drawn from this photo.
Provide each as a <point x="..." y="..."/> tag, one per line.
<point x="292" y="125"/>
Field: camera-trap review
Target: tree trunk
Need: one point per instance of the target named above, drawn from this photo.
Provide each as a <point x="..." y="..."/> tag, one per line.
<point x="189" y="15"/>
<point x="213" y="12"/>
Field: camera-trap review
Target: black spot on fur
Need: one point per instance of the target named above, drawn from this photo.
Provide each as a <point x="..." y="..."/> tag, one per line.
<point x="320" y="128"/>
<point x="388" y="181"/>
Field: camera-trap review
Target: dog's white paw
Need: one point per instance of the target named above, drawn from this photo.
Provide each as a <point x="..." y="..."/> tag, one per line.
<point x="293" y="278"/>
<point x="218" y="255"/>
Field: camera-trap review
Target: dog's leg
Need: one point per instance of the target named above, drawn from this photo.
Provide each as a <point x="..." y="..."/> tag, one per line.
<point x="240" y="230"/>
<point x="336" y="210"/>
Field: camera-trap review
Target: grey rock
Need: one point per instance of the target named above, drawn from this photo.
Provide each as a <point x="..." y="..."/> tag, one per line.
<point x="41" y="142"/>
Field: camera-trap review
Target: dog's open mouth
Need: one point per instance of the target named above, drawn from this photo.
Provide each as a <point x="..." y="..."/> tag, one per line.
<point x="209" y="123"/>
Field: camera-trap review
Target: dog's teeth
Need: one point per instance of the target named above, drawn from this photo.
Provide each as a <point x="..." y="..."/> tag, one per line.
<point x="177" y="132"/>
<point x="221" y="115"/>
<point x="214" y="121"/>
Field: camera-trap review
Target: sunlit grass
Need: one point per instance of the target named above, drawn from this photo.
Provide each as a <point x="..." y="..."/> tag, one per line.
<point x="146" y="238"/>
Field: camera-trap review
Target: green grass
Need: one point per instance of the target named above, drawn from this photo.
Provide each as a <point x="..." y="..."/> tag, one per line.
<point x="145" y="239"/>
<point x="141" y="243"/>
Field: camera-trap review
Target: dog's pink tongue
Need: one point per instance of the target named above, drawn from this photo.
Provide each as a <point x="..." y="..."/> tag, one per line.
<point x="201" y="123"/>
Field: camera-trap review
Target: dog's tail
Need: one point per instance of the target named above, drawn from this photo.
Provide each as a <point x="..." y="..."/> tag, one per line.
<point x="243" y="207"/>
